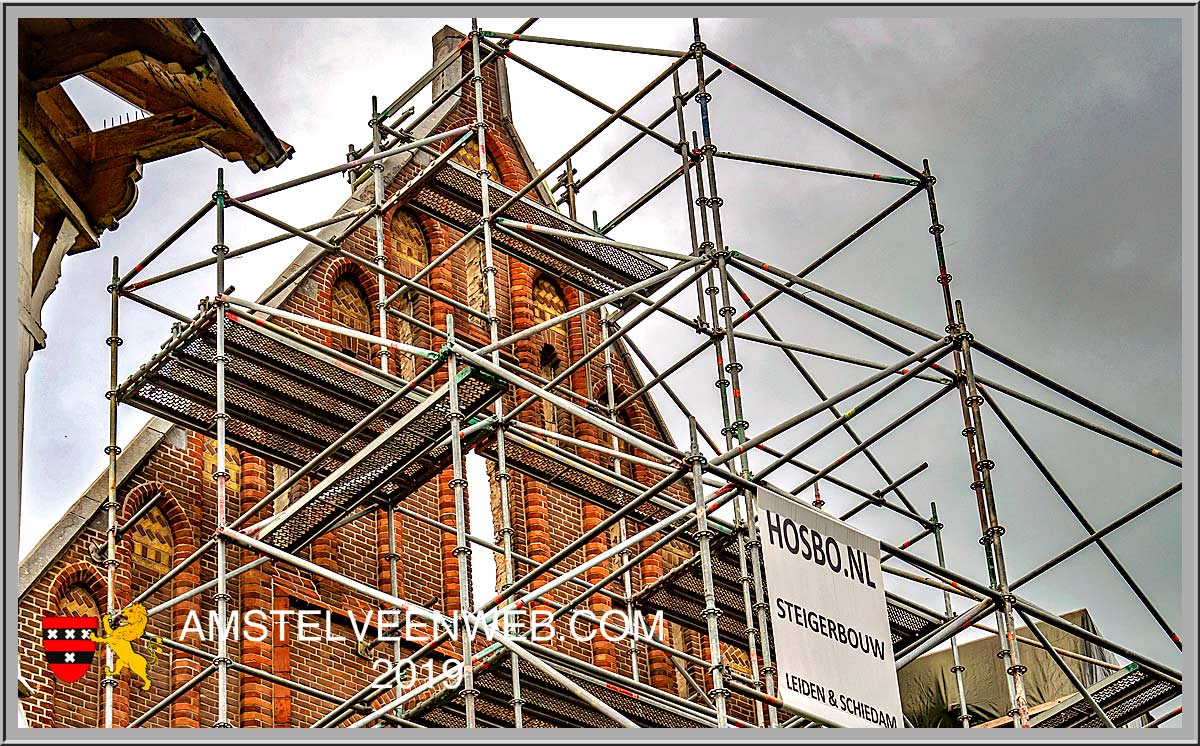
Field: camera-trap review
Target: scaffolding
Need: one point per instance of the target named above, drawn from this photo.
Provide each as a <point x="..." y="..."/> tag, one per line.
<point x="369" y="438"/>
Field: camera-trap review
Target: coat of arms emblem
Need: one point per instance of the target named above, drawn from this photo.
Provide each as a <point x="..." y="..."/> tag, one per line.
<point x="68" y="644"/>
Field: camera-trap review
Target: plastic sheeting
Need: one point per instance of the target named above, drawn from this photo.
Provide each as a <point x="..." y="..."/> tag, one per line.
<point x="929" y="694"/>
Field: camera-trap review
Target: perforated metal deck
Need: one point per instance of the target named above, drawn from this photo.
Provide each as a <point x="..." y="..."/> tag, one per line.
<point x="453" y="196"/>
<point x="1124" y="696"/>
<point x="528" y="459"/>
<point x="288" y="400"/>
<point x="679" y="594"/>
<point x="546" y="703"/>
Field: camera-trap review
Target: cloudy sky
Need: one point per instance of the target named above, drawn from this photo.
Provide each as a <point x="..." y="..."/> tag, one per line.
<point x="1056" y="144"/>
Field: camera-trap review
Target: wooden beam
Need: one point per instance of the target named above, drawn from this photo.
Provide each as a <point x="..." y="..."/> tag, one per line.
<point x="112" y="42"/>
<point x="47" y="234"/>
<point x="71" y="207"/>
<point x="160" y="136"/>
<point x="44" y="141"/>
<point x="61" y="111"/>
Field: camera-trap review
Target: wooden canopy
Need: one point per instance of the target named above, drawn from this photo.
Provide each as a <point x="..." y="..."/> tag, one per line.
<point x="169" y="68"/>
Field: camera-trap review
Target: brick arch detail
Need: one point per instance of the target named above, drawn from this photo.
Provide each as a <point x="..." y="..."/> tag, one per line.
<point x="335" y="270"/>
<point x="181" y="525"/>
<point x="91" y="579"/>
<point x="80" y="573"/>
<point x="420" y="219"/>
<point x="185" y="711"/>
<point x="513" y="173"/>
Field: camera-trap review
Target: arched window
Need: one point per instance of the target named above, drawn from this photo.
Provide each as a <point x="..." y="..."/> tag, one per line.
<point x="233" y="464"/>
<point x="548" y="303"/>
<point x="81" y="699"/>
<point x="468" y="155"/>
<point x="77" y="600"/>
<point x="152" y="542"/>
<point x="408" y="240"/>
<point x="475" y="257"/>
<point x="351" y="308"/>
<point x="412" y="251"/>
<point x="548" y="367"/>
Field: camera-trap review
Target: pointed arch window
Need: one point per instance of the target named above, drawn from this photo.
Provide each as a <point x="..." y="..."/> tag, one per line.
<point x="468" y="155"/>
<point x="350" y="308"/>
<point x="77" y="600"/>
<point x="80" y="701"/>
<point x="411" y="248"/>
<point x="549" y="365"/>
<point x="548" y="303"/>
<point x="152" y="542"/>
<point x="475" y="257"/>
<point x="408" y="240"/>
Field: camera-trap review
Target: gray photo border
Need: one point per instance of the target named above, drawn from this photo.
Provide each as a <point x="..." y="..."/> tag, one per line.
<point x="1186" y="13"/>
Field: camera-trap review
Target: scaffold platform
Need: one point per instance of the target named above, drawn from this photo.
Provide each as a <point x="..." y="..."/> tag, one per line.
<point x="287" y="400"/>
<point x="453" y="195"/>
<point x="595" y="486"/>
<point x="1124" y="696"/>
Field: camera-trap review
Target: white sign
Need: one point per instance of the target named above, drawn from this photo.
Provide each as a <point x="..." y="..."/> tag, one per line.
<point x="828" y="616"/>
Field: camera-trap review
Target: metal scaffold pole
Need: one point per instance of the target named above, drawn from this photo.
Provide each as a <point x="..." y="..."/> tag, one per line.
<point x="689" y="158"/>
<point x="221" y="474"/>
<point x="716" y="659"/>
<point x="462" y="550"/>
<point x="610" y="391"/>
<point x="502" y="476"/>
<point x="720" y="252"/>
<point x="112" y="450"/>
<point x="711" y="290"/>
<point x="392" y="555"/>
<point x="957" y="669"/>
<point x="981" y="467"/>
<point x="380" y="250"/>
<point x="992" y="534"/>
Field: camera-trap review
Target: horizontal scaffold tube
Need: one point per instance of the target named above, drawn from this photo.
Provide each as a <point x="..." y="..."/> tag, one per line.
<point x="327" y="326"/>
<point x="398" y="150"/>
<point x="816" y="169"/>
<point x="753" y="266"/>
<point x="934" y="350"/>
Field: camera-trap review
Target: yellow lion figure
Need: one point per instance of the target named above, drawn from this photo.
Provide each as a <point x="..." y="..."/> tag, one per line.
<point x="120" y="641"/>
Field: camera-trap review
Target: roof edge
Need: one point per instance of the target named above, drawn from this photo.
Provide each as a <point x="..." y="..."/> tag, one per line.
<point x="277" y="149"/>
<point x="34" y="565"/>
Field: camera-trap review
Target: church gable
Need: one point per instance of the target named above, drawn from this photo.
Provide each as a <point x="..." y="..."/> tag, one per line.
<point x="416" y="552"/>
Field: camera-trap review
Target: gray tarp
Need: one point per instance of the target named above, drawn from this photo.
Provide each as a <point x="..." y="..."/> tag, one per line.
<point x="929" y="694"/>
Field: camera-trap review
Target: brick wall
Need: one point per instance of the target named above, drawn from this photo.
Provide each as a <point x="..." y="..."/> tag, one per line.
<point x="544" y="519"/>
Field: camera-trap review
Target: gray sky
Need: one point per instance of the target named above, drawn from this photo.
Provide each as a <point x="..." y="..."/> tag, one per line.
<point x="1056" y="146"/>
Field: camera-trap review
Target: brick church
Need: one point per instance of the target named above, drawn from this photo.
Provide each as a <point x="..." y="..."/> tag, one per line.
<point x="170" y="468"/>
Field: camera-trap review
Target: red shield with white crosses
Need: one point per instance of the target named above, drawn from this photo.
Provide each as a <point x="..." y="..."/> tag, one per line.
<point x="67" y="642"/>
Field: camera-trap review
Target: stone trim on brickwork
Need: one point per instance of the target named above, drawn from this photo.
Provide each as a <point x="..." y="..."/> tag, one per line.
<point x="87" y="507"/>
